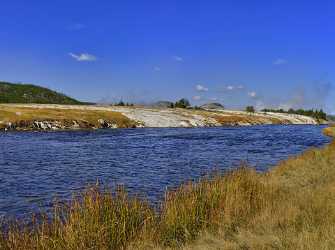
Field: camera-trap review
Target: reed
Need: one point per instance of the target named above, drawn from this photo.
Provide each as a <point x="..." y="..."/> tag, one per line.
<point x="96" y="219"/>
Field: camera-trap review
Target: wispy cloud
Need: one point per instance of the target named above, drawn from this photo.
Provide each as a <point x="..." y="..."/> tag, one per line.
<point x="178" y="58"/>
<point x="200" y="87"/>
<point x="315" y="96"/>
<point x="83" y="57"/>
<point x="233" y="87"/>
<point x="279" y="61"/>
<point x="156" y="68"/>
<point x="252" y="94"/>
<point x="196" y="97"/>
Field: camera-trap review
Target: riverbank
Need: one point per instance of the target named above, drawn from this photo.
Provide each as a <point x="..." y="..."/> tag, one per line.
<point x="290" y="207"/>
<point x="63" y="117"/>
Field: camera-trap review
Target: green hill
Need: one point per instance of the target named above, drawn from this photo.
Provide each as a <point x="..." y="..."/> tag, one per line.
<point x="28" y="93"/>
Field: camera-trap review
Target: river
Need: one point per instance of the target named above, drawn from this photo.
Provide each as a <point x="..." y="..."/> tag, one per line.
<point x="36" y="167"/>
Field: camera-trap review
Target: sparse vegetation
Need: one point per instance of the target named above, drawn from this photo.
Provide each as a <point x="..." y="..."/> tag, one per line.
<point x="28" y="93"/>
<point x="290" y="207"/>
<point x="245" y="119"/>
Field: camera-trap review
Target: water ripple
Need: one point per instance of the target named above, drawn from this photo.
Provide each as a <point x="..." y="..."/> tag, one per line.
<point x="37" y="167"/>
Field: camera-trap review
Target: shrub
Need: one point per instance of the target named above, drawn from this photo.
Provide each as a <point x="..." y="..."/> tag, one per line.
<point x="182" y="103"/>
<point x="250" y="109"/>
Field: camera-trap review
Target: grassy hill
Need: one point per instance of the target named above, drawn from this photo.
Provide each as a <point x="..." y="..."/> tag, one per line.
<point x="28" y="93"/>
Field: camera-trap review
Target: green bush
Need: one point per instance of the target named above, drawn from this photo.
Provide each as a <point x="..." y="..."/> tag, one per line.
<point x="182" y="103"/>
<point x="250" y="109"/>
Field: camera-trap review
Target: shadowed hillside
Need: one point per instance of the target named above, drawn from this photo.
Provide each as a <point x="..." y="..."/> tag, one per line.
<point x="27" y="93"/>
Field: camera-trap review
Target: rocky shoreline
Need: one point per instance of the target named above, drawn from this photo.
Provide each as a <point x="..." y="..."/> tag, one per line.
<point x="19" y="117"/>
<point x="53" y="125"/>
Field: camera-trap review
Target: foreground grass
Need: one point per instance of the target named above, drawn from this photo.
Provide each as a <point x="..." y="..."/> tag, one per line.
<point x="330" y="131"/>
<point x="290" y="207"/>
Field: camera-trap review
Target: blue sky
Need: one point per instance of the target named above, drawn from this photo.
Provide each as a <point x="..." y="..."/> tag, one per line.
<point x="264" y="53"/>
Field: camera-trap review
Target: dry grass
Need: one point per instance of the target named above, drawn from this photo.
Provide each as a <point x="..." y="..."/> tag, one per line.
<point x="330" y="131"/>
<point x="290" y="207"/>
<point x="251" y="119"/>
<point x="95" y="220"/>
<point x="16" y="115"/>
<point x="232" y="119"/>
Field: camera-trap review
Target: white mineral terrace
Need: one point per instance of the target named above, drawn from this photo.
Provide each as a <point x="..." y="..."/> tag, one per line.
<point x="155" y="117"/>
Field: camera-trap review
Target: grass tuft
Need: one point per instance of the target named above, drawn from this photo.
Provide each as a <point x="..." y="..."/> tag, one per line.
<point x="97" y="219"/>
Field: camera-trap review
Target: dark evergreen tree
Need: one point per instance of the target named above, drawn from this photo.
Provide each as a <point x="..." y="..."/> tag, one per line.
<point x="182" y="103"/>
<point x="250" y="109"/>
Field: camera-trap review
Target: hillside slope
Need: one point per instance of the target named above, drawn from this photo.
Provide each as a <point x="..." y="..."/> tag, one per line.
<point x="27" y="93"/>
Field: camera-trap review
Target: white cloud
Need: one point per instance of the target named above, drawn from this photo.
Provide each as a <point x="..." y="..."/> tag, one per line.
<point x="84" y="57"/>
<point x="280" y="61"/>
<point x="196" y="98"/>
<point x="178" y="58"/>
<point x="252" y="94"/>
<point x="233" y="87"/>
<point x="199" y="87"/>
<point x="156" y="68"/>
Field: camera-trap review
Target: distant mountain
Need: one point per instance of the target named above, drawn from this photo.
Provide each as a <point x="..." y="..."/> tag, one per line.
<point x="28" y="93"/>
<point x="214" y="105"/>
<point x="163" y="104"/>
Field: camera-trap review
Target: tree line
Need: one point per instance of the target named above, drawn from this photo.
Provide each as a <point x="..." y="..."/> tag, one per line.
<point x="317" y="114"/>
<point x="182" y="103"/>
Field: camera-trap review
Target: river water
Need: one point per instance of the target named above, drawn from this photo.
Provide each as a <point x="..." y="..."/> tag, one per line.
<point x="36" y="167"/>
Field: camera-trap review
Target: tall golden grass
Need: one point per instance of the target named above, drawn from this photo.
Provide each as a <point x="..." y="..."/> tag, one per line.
<point x="330" y="131"/>
<point x="290" y="207"/>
